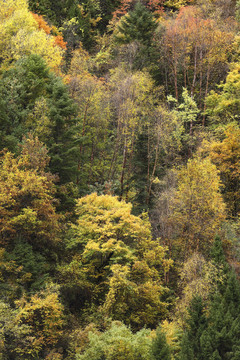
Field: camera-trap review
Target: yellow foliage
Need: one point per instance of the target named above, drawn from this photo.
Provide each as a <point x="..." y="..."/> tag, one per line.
<point x="198" y="209"/>
<point x="19" y="35"/>
<point x="26" y="202"/>
<point x="38" y="120"/>
<point x="105" y="217"/>
<point x="198" y="277"/>
<point x="43" y="314"/>
<point x="8" y="7"/>
<point x="120" y="256"/>
<point x="173" y="334"/>
<point x="225" y="155"/>
<point x="177" y="4"/>
<point x="36" y="42"/>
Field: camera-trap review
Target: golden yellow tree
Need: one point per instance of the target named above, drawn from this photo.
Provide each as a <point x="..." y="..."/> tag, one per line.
<point x="197" y="207"/>
<point x="225" y="155"/>
<point x="117" y="261"/>
<point x="20" y="35"/>
<point x="26" y="202"/>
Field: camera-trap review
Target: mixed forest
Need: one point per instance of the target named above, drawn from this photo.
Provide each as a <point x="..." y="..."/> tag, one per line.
<point x="119" y="179"/>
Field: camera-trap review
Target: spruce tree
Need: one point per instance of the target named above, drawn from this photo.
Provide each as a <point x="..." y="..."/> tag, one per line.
<point x="139" y="25"/>
<point x="28" y="83"/>
<point x="196" y="325"/>
<point x="224" y="320"/>
<point x="63" y="146"/>
<point x="160" y="348"/>
<point x="217" y="253"/>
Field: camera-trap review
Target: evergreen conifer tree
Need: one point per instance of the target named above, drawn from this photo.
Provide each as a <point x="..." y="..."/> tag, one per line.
<point x="138" y="24"/>
<point x="217" y="253"/>
<point x="196" y="325"/>
<point x="160" y="348"/>
<point x="27" y="84"/>
<point x="224" y="321"/>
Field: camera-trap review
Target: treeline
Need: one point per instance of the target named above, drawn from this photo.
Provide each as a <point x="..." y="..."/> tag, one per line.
<point x="119" y="179"/>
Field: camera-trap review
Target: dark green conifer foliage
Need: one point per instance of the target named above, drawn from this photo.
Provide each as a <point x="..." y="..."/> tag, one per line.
<point x="196" y="325"/>
<point x="217" y="253"/>
<point x="61" y="13"/>
<point x="63" y="148"/>
<point x="32" y="262"/>
<point x="218" y="335"/>
<point x="224" y="320"/>
<point x="206" y="345"/>
<point x="215" y="356"/>
<point x="219" y="259"/>
<point x="107" y="8"/>
<point x="160" y="348"/>
<point x="140" y="174"/>
<point x="20" y="88"/>
<point x="139" y="25"/>
<point x="43" y="7"/>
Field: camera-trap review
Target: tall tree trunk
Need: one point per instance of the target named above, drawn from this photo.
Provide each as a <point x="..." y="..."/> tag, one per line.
<point x="206" y="92"/>
<point x="123" y="167"/>
<point x="194" y="73"/>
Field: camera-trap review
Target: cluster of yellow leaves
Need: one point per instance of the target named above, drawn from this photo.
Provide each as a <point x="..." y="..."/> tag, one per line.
<point x="20" y="35"/>
<point x="135" y="294"/>
<point x="26" y="202"/>
<point x="197" y="208"/>
<point x="173" y="334"/>
<point x="225" y="106"/>
<point x="198" y="277"/>
<point x="43" y="314"/>
<point x="118" y="254"/>
<point x="225" y="155"/>
<point x="104" y="217"/>
<point x="177" y="4"/>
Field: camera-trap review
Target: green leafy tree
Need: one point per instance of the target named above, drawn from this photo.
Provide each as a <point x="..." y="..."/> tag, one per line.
<point x="223" y="106"/>
<point x="14" y="337"/>
<point x="187" y="112"/>
<point x="118" y="343"/>
<point x="107" y="243"/>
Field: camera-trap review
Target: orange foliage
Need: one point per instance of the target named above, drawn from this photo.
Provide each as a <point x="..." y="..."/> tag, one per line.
<point x="123" y="9"/>
<point x="59" y="42"/>
<point x="42" y="24"/>
<point x="195" y="46"/>
<point x="156" y="6"/>
<point x="126" y="5"/>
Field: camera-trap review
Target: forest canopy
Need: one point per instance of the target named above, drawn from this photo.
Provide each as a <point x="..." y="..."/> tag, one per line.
<point x="119" y="179"/>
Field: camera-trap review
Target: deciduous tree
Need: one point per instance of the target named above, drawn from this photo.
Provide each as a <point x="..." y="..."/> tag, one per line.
<point x="198" y="207"/>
